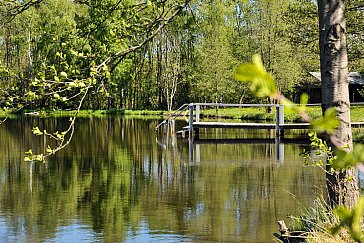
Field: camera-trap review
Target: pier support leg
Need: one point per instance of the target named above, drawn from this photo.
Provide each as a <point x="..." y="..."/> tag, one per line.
<point x="190" y="107"/>
<point x="165" y="124"/>
<point x="172" y="124"/>
<point x="198" y="155"/>
<point x="191" y="150"/>
<point x="197" y="113"/>
<point x="197" y="119"/>
<point x="279" y="120"/>
<point x="279" y="151"/>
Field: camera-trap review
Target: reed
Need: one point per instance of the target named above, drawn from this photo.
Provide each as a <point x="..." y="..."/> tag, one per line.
<point x="315" y="223"/>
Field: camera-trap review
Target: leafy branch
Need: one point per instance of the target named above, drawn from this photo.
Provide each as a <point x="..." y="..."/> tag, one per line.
<point x="262" y="84"/>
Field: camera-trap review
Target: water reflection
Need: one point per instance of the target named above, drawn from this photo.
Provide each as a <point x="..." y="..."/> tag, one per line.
<point x="115" y="183"/>
<point x="195" y="154"/>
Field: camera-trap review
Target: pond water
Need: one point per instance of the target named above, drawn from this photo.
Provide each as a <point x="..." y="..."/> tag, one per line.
<point x="121" y="181"/>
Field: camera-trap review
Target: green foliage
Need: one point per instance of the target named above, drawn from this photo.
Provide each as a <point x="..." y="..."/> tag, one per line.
<point x="33" y="157"/>
<point x="328" y="123"/>
<point x="214" y="60"/>
<point x="36" y="131"/>
<point x="351" y="219"/>
<point x="346" y="159"/>
<point x="316" y="217"/>
<point x="320" y="154"/>
<point x="322" y="223"/>
<point x="262" y="82"/>
<point x="335" y="161"/>
<point x="205" y="42"/>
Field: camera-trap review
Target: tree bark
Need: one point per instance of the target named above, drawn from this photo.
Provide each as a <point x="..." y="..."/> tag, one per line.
<point x="342" y="186"/>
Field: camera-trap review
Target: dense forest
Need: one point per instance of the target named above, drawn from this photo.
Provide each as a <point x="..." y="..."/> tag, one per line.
<point x="159" y="54"/>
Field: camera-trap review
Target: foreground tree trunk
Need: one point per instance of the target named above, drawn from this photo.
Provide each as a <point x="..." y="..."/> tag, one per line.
<point x="342" y="186"/>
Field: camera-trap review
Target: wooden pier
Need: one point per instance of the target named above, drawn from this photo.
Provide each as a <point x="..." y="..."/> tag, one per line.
<point x="279" y="125"/>
<point x="194" y="125"/>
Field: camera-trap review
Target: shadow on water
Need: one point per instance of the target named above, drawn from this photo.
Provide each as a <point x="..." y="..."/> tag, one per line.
<point x="120" y="181"/>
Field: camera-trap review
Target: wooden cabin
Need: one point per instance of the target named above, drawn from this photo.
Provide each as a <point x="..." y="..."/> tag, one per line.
<point x="313" y="87"/>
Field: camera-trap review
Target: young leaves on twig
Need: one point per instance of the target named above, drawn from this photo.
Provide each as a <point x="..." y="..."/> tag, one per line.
<point x="262" y="82"/>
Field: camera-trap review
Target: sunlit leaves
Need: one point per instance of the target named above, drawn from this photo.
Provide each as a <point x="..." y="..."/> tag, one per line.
<point x="328" y="123"/>
<point x="56" y="96"/>
<point x="49" y="150"/>
<point x="36" y="131"/>
<point x="59" y="137"/>
<point x="351" y="219"/>
<point x="33" y="157"/>
<point x="63" y="74"/>
<point x="262" y="82"/>
<point x="346" y="159"/>
<point x="320" y="154"/>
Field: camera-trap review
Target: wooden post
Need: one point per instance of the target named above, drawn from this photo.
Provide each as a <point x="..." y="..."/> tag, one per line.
<point x="172" y="125"/>
<point x="191" y="149"/>
<point x="279" y="151"/>
<point x="190" y="107"/>
<point x="198" y="154"/>
<point x="197" y="113"/>
<point x="197" y="130"/>
<point x="279" y="120"/>
<point x="165" y="128"/>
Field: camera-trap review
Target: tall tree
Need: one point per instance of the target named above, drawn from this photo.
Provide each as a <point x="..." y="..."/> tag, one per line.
<point x="342" y="186"/>
<point x="216" y="63"/>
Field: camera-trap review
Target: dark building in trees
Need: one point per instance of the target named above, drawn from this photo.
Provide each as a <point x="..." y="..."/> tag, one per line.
<point x="313" y="87"/>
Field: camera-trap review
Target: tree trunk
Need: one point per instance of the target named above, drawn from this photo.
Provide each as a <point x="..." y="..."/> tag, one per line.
<point x="342" y="186"/>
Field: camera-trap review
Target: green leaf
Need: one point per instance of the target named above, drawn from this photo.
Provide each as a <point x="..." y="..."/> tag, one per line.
<point x="312" y="133"/>
<point x="289" y="106"/>
<point x="346" y="159"/>
<point x="29" y="152"/>
<point x="262" y="83"/>
<point x="31" y="94"/>
<point x="63" y="74"/>
<point x="73" y="52"/>
<point x="49" y="150"/>
<point x="36" y="131"/>
<point x="258" y="62"/>
<point x="304" y="99"/>
<point x="81" y="84"/>
<point x="246" y="72"/>
<point x="327" y="123"/>
<point x="71" y="84"/>
<point x="351" y="219"/>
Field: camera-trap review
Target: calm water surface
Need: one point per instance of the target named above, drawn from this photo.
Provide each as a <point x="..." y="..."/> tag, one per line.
<point x="121" y="181"/>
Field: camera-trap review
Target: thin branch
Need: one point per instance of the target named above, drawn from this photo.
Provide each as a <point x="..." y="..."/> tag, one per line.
<point x="71" y="127"/>
<point x="122" y="54"/>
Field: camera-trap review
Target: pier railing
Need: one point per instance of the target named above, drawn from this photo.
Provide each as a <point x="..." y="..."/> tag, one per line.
<point x="279" y="125"/>
<point x="173" y="115"/>
<point x="195" y="124"/>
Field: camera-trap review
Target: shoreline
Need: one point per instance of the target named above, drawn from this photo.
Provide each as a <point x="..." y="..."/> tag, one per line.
<point x="251" y="113"/>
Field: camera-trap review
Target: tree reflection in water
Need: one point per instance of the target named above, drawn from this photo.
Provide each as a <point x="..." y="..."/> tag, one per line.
<point x="116" y="183"/>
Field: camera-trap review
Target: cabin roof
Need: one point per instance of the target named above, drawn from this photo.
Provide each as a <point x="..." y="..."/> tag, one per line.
<point x="353" y="77"/>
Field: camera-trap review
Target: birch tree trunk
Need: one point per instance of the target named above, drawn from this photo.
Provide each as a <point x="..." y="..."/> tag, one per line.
<point x="342" y="186"/>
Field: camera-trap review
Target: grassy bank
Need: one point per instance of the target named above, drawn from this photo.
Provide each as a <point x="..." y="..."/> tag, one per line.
<point x="316" y="223"/>
<point x="246" y="113"/>
<point x="254" y="113"/>
<point x="88" y="113"/>
<point x="261" y="113"/>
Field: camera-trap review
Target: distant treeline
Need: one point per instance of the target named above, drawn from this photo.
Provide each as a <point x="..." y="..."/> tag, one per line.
<point x="190" y="59"/>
